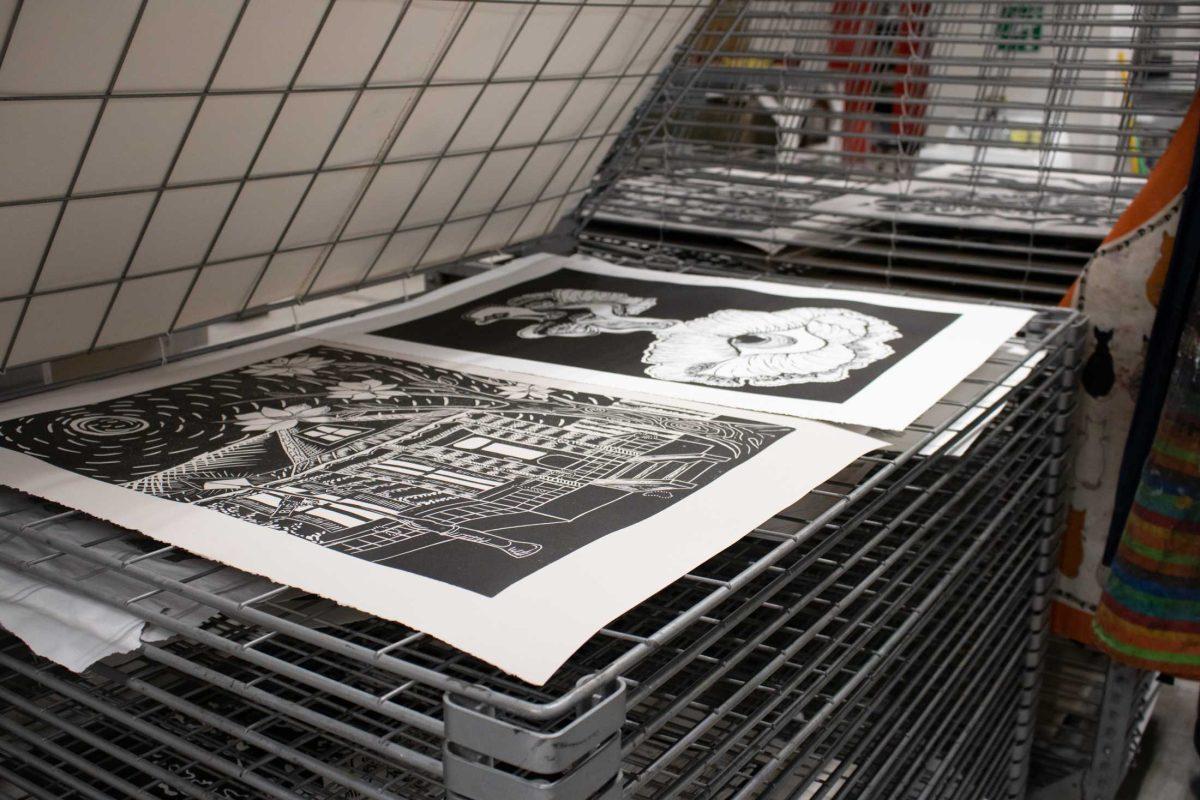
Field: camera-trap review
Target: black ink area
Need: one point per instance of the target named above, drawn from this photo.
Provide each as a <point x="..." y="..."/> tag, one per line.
<point x="472" y="481"/>
<point x="623" y="354"/>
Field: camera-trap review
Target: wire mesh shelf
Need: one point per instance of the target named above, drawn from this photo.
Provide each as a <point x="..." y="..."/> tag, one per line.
<point x="1091" y="716"/>
<point x="967" y="146"/>
<point x="882" y="638"/>
<point x="879" y="639"/>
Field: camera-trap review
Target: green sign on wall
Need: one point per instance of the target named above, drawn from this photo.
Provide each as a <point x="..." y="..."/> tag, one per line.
<point x="1021" y="30"/>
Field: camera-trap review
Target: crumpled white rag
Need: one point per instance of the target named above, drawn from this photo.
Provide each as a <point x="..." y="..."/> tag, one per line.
<point x="75" y="630"/>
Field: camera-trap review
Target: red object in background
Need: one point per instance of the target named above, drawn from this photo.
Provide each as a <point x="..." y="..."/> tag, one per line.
<point x="870" y="37"/>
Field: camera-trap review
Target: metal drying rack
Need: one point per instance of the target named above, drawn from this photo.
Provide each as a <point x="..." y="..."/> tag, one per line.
<point x="885" y="636"/>
<point x="786" y="106"/>
<point x="781" y="108"/>
<point x="882" y="638"/>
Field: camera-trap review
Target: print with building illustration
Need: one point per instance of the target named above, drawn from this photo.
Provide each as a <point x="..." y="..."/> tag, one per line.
<point x="474" y="481"/>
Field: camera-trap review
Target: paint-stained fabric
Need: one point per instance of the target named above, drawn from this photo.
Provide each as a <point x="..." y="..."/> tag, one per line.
<point x="1149" y="614"/>
<point x="1120" y="294"/>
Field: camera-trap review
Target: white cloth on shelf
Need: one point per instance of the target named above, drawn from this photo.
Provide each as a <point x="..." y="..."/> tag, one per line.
<point x="74" y="630"/>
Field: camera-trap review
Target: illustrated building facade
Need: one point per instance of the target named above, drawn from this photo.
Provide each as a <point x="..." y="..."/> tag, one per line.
<point x="477" y="476"/>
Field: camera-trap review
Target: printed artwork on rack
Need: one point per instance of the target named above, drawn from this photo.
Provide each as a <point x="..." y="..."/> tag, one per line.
<point x="815" y="348"/>
<point x="860" y="358"/>
<point x="990" y="198"/>
<point x="712" y="198"/>
<point x="768" y="211"/>
<point x="473" y="481"/>
<point x="728" y="348"/>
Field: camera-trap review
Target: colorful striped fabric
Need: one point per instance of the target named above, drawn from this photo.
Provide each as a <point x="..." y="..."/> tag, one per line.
<point x="1120" y="294"/>
<point x="1149" y="613"/>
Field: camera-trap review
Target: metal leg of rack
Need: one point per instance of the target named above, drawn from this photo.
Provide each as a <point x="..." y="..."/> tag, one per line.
<point x="1053" y="521"/>
<point x="1119" y="713"/>
<point x="486" y="757"/>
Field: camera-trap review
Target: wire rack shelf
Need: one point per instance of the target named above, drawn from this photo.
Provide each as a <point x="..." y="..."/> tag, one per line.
<point x="962" y="146"/>
<point x="880" y="639"/>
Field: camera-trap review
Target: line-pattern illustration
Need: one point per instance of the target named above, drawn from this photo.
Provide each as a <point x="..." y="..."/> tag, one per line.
<point x="728" y="348"/>
<point x="474" y="481"/>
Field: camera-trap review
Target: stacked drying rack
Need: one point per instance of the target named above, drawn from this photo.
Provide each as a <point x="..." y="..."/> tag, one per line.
<point x="783" y="111"/>
<point x="883" y="638"/>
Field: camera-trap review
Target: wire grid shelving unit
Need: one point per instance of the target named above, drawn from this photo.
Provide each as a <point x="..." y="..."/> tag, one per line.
<point x="1092" y="714"/>
<point x="978" y="148"/>
<point x="782" y="108"/>
<point x="880" y="639"/>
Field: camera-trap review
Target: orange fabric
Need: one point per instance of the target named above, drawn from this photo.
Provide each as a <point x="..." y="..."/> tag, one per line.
<point x="1072" y="623"/>
<point x="1068" y="299"/>
<point x="1071" y="554"/>
<point x="1166" y="181"/>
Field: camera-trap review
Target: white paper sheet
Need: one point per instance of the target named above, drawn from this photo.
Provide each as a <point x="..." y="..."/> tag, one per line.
<point x="859" y="358"/>
<point x="746" y="205"/>
<point x="310" y="468"/>
<point x="74" y="630"/>
<point x="989" y="198"/>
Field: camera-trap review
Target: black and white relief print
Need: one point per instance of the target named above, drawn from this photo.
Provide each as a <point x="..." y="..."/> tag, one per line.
<point x="992" y="198"/>
<point x="474" y="481"/>
<point x="691" y="201"/>
<point x="1049" y="209"/>
<point x="755" y="342"/>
